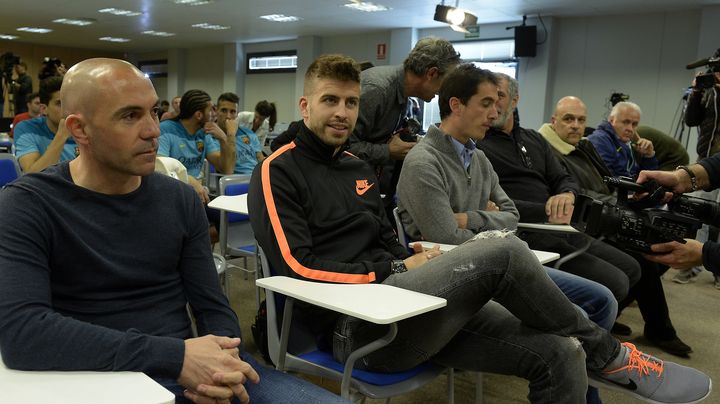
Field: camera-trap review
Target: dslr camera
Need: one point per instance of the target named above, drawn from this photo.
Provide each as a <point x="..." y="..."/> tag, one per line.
<point x="637" y="224"/>
<point x="409" y="130"/>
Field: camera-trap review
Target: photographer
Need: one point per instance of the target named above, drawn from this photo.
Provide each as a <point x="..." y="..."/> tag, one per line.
<point x="706" y="176"/>
<point x="21" y="87"/>
<point x="701" y="111"/>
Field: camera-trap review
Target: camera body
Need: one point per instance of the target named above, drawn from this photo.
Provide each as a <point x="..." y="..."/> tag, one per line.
<point x="708" y="79"/>
<point x="636" y="225"/>
<point x="409" y="130"/>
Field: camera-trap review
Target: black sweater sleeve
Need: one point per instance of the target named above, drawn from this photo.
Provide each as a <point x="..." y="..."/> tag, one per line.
<point x="694" y="113"/>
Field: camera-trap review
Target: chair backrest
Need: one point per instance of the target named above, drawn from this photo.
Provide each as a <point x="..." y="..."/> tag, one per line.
<point x="9" y="169"/>
<point x="235" y="185"/>
<point x="302" y="340"/>
<point x="403" y="237"/>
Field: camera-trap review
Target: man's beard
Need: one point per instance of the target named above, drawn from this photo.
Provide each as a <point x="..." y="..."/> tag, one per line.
<point x="499" y="123"/>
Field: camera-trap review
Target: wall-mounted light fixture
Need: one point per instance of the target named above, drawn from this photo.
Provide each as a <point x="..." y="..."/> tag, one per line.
<point x="458" y="18"/>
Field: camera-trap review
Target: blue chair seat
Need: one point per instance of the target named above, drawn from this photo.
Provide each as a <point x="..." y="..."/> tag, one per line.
<point x="326" y="359"/>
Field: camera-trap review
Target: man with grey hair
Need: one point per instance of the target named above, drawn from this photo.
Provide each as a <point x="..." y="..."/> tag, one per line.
<point x="617" y="142"/>
<point x="382" y="123"/>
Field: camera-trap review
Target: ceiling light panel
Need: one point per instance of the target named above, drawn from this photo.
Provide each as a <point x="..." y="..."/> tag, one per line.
<point x="158" y="33"/>
<point x="280" y="18"/>
<point x="366" y="6"/>
<point x="215" y="27"/>
<point x="8" y="37"/>
<point x="113" y="39"/>
<point x="119" y="11"/>
<point x="81" y="22"/>
<point x="192" y="2"/>
<point x="35" y="30"/>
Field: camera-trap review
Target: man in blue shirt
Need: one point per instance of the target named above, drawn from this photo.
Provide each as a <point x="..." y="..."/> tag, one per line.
<point x="249" y="150"/>
<point x="194" y="136"/>
<point x="617" y="142"/>
<point x="44" y="141"/>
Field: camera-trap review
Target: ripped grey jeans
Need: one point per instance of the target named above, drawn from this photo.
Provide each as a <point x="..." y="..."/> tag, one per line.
<point x="524" y="331"/>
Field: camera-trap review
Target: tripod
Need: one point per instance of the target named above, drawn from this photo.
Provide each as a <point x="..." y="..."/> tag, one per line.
<point x="681" y="130"/>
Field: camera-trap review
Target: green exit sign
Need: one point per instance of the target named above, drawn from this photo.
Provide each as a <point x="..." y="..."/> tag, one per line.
<point x="473" y="31"/>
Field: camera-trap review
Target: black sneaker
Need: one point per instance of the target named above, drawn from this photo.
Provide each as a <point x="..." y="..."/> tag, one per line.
<point x="651" y="379"/>
<point x="621" y="329"/>
<point x="673" y="346"/>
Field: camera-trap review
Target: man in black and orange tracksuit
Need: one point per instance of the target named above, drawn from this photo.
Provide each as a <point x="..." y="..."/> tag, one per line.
<point x="317" y="213"/>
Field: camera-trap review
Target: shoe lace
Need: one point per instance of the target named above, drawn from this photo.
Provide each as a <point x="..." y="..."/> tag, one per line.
<point x="640" y="362"/>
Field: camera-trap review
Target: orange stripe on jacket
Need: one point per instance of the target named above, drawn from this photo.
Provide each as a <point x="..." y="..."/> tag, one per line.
<point x="297" y="267"/>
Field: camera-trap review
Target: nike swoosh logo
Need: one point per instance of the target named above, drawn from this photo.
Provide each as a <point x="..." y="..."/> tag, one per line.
<point x="361" y="191"/>
<point x="629" y="385"/>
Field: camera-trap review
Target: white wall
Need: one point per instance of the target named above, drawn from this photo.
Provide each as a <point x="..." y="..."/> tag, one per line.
<point x="204" y="70"/>
<point x="274" y="87"/>
<point x="359" y="47"/>
<point x="643" y="56"/>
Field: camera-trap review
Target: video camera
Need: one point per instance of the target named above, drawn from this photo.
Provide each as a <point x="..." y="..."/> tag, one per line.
<point x="708" y="79"/>
<point x="637" y="224"/>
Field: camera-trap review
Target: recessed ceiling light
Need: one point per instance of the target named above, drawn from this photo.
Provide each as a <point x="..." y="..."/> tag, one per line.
<point x="8" y="37"/>
<point x="113" y="39"/>
<point x="119" y="11"/>
<point x="74" y="21"/>
<point x="35" y="30"/>
<point x="366" y="6"/>
<point x="280" y="18"/>
<point x="210" y="26"/>
<point x="192" y="2"/>
<point x="158" y="33"/>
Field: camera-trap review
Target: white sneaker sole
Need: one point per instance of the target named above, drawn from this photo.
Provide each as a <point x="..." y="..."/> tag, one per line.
<point x="606" y="385"/>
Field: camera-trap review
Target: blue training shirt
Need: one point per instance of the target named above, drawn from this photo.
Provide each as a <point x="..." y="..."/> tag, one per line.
<point x="34" y="135"/>
<point x="190" y="150"/>
<point x="248" y="146"/>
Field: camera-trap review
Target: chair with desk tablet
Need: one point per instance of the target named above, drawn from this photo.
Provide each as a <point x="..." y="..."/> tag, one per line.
<point x="235" y="233"/>
<point x="292" y="348"/>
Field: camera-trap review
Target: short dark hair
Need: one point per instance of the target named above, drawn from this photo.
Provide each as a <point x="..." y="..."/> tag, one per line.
<point x="164" y="103"/>
<point x="193" y="101"/>
<point x="431" y="52"/>
<point x="48" y="87"/>
<point x="32" y="96"/>
<point x="265" y="108"/>
<point x="462" y="83"/>
<point x="336" y="67"/>
<point x="230" y="97"/>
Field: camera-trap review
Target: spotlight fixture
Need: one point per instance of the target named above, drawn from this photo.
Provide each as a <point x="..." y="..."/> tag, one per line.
<point x="458" y="18"/>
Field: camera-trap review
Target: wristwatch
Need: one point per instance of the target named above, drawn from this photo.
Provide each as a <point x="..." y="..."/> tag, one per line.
<point x="397" y="267"/>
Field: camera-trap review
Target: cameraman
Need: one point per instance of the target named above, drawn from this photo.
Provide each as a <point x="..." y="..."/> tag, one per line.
<point x="21" y="88"/>
<point x="702" y="111"/>
<point x="704" y="175"/>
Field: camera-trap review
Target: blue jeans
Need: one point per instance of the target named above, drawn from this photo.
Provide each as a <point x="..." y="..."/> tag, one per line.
<point x="596" y="300"/>
<point x="274" y="387"/>
<point x="523" y="331"/>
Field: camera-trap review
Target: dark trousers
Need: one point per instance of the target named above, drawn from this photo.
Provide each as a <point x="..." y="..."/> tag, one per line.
<point x="601" y="262"/>
<point x="650" y="296"/>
